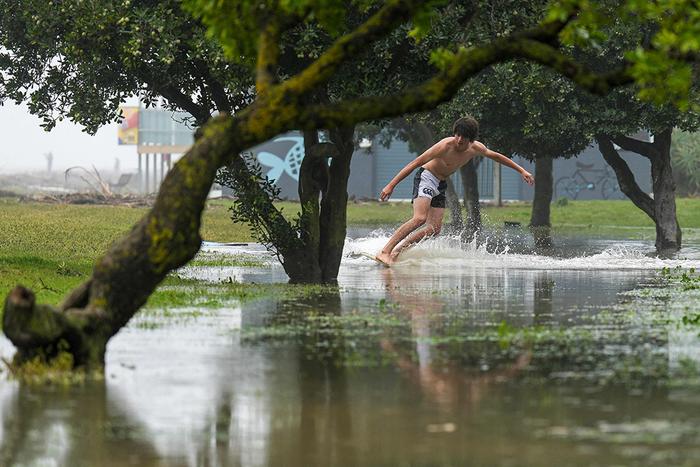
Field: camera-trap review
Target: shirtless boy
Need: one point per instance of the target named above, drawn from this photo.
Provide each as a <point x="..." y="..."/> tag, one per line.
<point x="429" y="185"/>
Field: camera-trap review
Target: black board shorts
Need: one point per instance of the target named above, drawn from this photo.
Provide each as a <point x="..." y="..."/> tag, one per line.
<point x="428" y="187"/>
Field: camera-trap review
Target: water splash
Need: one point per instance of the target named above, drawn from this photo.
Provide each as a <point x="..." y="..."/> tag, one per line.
<point x="448" y="253"/>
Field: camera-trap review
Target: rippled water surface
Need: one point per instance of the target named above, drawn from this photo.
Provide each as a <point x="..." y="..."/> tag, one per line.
<point x="458" y="355"/>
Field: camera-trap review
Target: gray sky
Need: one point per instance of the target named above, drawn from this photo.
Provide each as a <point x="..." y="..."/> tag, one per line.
<point x="26" y="143"/>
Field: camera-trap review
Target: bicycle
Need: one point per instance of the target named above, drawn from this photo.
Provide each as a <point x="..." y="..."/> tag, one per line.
<point x="571" y="186"/>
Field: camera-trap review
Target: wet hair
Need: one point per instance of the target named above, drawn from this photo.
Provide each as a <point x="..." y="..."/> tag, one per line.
<point x="467" y="127"/>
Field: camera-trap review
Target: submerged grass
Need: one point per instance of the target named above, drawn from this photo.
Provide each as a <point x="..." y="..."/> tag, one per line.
<point x="178" y="292"/>
<point x="55" y="371"/>
<point x="209" y="259"/>
<point x="179" y="300"/>
<point x="624" y="345"/>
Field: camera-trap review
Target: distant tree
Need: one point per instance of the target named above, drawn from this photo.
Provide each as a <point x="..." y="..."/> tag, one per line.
<point x="249" y="32"/>
<point x="685" y="158"/>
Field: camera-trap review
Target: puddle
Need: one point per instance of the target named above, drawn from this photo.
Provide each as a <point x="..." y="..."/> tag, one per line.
<point x="455" y="356"/>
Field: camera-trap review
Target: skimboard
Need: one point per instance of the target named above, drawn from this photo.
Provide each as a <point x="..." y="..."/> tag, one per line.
<point x="373" y="257"/>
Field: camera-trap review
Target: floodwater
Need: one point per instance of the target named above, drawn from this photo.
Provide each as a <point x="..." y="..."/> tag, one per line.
<point x="455" y="356"/>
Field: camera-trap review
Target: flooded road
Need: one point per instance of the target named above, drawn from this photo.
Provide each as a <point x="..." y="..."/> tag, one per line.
<point x="455" y="356"/>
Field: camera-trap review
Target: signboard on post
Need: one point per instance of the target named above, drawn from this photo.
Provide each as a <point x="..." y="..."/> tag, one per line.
<point x="128" y="132"/>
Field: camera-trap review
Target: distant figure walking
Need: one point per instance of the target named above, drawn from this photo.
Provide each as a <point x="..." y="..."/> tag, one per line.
<point x="429" y="185"/>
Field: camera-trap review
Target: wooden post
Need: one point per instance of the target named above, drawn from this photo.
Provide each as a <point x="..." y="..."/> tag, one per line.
<point x="497" y="185"/>
<point x="155" y="172"/>
<point x="140" y="175"/>
<point x="147" y="177"/>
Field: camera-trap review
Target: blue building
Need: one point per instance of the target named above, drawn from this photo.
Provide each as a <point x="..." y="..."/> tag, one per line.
<point x="586" y="176"/>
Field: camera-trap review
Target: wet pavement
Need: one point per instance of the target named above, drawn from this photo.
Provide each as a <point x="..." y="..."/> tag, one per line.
<point x="455" y="356"/>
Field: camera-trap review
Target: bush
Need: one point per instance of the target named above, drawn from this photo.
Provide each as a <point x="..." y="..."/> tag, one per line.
<point x="685" y="158"/>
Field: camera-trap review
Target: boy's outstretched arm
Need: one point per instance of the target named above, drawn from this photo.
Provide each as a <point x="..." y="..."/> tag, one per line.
<point x="433" y="152"/>
<point x="503" y="160"/>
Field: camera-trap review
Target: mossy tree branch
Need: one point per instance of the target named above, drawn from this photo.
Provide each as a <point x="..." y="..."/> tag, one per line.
<point x="625" y="177"/>
<point x="268" y="56"/>
<point x="634" y="145"/>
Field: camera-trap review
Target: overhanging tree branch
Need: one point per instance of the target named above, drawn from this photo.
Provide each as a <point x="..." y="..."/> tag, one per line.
<point x="634" y="145"/>
<point x="625" y="177"/>
<point x="268" y="56"/>
<point x="200" y="114"/>
<point x="216" y="89"/>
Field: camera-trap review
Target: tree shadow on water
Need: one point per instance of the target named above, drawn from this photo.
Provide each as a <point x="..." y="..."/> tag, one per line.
<point x="73" y="426"/>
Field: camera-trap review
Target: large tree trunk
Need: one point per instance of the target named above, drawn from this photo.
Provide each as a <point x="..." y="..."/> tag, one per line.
<point x="333" y="218"/>
<point x="668" y="230"/>
<point x="313" y="179"/>
<point x="662" y="207"/>
<point x="470" y="183"/>
<point x="540" y="222"/>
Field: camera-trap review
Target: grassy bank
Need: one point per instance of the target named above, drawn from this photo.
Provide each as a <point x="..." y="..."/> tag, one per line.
<point x="618" y="213"/>
<point x="51" y="248"/>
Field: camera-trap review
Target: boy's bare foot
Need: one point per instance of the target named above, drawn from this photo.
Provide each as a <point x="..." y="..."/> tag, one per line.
<point x="394" y="255"/>
<point x="384" y="258"/>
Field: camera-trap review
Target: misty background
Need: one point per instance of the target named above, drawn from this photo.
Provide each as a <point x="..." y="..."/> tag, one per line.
<point x="25" y="145"/>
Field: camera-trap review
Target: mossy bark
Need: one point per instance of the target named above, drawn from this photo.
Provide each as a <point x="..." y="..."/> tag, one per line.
<point x="313" y="179"/>
<point x="334" y="204"/>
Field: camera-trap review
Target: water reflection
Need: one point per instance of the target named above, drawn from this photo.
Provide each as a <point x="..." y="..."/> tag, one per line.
<point x="83" y="426"/>
<point x="396" y="366"/>
<point x="443" y="382"/>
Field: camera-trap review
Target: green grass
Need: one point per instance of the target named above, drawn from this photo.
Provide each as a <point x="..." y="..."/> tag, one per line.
<point x="618" y="213"/>
<point x="52" y="247"/>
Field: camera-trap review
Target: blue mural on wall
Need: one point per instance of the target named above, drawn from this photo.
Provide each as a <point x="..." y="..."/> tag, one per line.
<point x="289" y="163"/>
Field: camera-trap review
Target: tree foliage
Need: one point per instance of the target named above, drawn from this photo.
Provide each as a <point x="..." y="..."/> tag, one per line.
<point x="80" y="59"/>
<point x="685" y="153"/>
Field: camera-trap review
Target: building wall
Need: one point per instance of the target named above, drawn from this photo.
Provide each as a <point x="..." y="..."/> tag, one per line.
<point x="372" y="168"/>
<point x="591" y="180"/>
